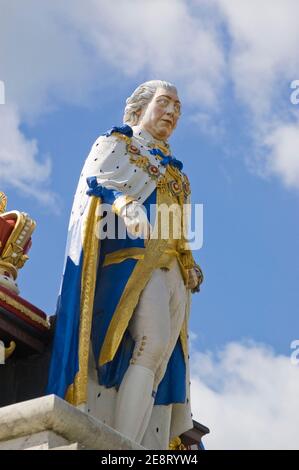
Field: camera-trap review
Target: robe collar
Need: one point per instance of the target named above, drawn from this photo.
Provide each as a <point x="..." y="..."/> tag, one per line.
<point x="145" y="138"/>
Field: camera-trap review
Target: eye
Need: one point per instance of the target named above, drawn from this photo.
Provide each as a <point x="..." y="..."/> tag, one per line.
<point x="163" y="101"/>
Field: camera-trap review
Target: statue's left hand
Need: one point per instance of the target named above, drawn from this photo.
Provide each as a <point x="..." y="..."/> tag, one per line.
<point x="195" y="278"/>
<point x="192" y="282"/>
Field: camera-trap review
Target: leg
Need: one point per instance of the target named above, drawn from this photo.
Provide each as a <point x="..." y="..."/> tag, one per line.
<point x="177" y="311"/>
<point x="150" y="328"/>
<point x="156" y="434"/>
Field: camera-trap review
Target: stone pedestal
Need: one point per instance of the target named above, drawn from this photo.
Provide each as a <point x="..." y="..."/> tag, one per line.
<point x="51" y="423"/>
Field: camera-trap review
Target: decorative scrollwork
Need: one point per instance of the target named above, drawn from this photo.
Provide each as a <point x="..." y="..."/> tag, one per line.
<point x="176" y="444"/>
<point x="3" y="202"/>
<point x="9" y="351"/>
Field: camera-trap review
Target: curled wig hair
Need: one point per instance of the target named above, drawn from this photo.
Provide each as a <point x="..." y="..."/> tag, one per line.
<point x="141" y="97"/>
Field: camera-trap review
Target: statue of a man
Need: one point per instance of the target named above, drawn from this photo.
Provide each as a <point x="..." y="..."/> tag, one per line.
<point x="121" y="342"/>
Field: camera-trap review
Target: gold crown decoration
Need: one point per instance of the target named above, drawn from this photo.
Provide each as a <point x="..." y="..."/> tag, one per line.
<point x="3" y="202"/>
<point x="13" y="254"/>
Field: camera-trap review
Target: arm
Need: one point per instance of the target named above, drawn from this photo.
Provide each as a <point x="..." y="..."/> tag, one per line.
<point x="111" y="176"/>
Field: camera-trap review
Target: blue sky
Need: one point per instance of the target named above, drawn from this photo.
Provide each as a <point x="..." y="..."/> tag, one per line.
<point x="250" y="228"/>
<point x="67" y="76"/>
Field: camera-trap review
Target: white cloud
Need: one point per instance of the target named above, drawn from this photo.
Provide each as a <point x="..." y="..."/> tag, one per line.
<point x="248" y="397"/>
<point x="263" y="56"/>
<point x="55" y="52"/>
<point x="263" y="60"/>
<point x="60" y="52"/>
<point x="211" y="125"/>
<point x="19" y="165"/>
<point x="283" y="156"/>
<point x="42" y="63"/>
<point x="164" y="39"/>
<point x="43" y="60"/>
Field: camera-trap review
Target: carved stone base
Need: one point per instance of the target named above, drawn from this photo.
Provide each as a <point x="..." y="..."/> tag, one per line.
<point x="39" y="441"/>
<point x="51" y="423"/>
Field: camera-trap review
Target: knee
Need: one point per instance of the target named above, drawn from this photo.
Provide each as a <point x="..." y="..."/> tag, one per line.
<point x="149" y="352"/>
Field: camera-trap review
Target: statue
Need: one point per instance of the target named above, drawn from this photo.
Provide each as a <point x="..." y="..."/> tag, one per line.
<point x="121" y="343"/>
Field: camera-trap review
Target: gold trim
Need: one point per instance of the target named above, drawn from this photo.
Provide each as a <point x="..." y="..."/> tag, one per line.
<point x="25" y="310"/>
<point x="121" y="136"/>
<point x="138" y="253"/>
<point x="139" y="160"/>
<point x="121" y="202"/>
<point x="164" y="148"/>
<point x="176" y="444"/>
<point x="121" y="255"/>
<point x="9" y="267"/>
<point x="77" y="392"/>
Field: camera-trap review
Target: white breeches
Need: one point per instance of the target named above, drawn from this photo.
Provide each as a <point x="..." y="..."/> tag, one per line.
<point x="155" y="327"/>
<point x="157" y="320"/>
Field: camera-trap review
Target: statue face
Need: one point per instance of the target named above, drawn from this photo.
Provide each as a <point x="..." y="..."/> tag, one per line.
<point x="160" y="116"/>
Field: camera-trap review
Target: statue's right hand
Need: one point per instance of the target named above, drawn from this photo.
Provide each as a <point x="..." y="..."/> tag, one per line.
<point x="136" y="221"/>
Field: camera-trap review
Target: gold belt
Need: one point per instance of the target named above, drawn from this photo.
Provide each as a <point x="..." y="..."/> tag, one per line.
<point x="138" y="253"/>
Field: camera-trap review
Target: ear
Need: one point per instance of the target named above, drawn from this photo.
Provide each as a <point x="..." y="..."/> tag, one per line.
<point x="138" y="113"/>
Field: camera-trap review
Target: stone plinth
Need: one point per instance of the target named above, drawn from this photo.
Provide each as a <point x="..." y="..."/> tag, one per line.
<point x="51" y="423"/>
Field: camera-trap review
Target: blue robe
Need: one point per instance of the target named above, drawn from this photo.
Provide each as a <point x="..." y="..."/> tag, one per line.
<point x="110" y="283"/>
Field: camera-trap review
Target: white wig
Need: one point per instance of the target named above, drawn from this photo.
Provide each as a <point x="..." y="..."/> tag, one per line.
<point x="141" y="98"/>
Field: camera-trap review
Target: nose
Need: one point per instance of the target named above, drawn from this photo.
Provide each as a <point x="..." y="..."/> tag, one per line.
<point x="170" y="109"/>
